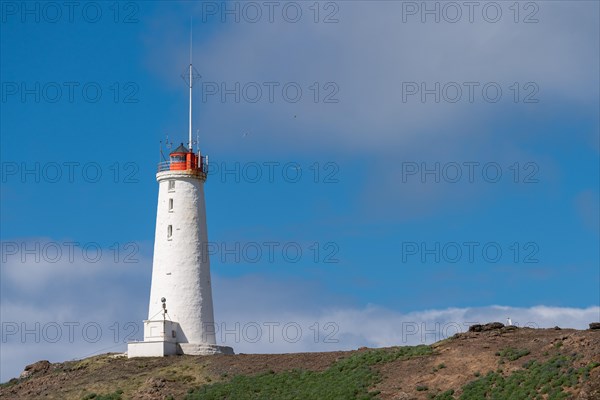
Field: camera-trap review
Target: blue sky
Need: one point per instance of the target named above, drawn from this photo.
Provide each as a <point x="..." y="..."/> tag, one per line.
<point x="368" y="137"/>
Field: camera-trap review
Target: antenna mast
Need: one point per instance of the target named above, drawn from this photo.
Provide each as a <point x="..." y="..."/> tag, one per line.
<point x="191" y="81"/>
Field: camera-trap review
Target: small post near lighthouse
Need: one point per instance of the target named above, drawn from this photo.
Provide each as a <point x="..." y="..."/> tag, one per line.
<point x="181" y="265"/>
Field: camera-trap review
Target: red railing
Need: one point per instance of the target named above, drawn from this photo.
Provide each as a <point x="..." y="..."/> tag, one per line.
<point x="183" y="166"/>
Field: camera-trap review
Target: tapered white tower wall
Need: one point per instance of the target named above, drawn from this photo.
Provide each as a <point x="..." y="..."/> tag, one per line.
<point x="181" y="267"/>
<point x="180" y="312"/>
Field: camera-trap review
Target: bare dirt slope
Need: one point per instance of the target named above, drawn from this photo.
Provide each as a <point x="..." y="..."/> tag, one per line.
<point x="452" y="364"/>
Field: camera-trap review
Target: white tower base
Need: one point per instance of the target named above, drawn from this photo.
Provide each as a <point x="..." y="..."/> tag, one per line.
<point x="163" y="348"/>
<point x="160" y="339"/>
<point x="151" y="349"/>
<point x="203" y="349"/>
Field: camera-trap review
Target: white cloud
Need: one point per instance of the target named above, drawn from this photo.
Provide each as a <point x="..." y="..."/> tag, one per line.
<point x="61" y="319"/>
<point x="369" y="53"/>
<point x="372" y="326"/>
<point x="264" y="331"/>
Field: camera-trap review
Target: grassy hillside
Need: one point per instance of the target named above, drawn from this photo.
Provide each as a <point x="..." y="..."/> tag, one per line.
<point x="501" y="363"/>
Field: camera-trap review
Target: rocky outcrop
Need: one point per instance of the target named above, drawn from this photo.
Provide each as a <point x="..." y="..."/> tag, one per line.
<point x="35" y="368"/>
<point x="492" y="326"/>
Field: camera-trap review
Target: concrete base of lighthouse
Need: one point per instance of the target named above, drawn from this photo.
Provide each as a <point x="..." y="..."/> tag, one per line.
<point x="160" y="339"/>
<point x="203" y="349"/>
<point x="163" y="348"/>
<point x="151" y="349"/>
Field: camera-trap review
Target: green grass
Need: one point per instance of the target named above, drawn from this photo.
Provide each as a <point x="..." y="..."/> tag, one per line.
<point x="537" y="380"/>
<point x="353" y="378"/>
<point x="112" y="396"/>
<point x="440" y="366"/>
<point x="349" y="378"/>
<point x="512" y="354"/>
<point x="447" y="395"/>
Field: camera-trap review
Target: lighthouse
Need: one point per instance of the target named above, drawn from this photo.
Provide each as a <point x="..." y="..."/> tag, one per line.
<point x="180" y="313"/>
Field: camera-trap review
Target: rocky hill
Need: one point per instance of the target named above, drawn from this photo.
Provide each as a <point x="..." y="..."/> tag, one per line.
<point x="489" y="362"/>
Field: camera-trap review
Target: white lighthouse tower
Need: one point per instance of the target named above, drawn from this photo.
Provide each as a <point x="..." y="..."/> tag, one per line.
<point x="180" y="314"/>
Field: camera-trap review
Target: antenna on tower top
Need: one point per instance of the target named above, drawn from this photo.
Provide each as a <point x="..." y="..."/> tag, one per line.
<point x="191" y="83"/>
<point x="188" y="76"/>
